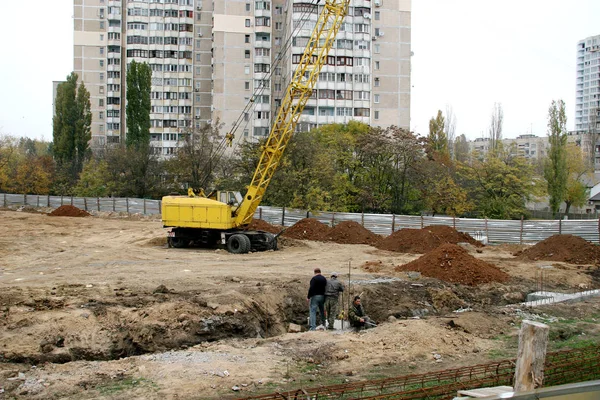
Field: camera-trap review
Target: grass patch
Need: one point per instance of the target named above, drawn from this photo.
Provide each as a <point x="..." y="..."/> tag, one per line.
<point x="125" y="385"/>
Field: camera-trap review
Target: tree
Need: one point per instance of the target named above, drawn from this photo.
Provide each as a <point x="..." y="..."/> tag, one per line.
<point x="555" y="169"/>
<point x="139" y="81"/>
<point x="95" y="180"/>
<point x="441" y="194"/>
<point x="438" y="140"/>
<point x="495" y="129"/>
<point x="461" y="149"/>
<point x="578" y="168"/>
<point x="450" y="129"/>
<point x="71" y="128"/>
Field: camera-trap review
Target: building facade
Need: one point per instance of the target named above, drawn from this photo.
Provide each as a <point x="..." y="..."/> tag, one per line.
<point x="587" y="98"/>
<point x="230" y="61"/>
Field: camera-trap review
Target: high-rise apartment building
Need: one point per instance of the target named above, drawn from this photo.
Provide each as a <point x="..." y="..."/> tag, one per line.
<point x="230" y="61"/>
<point x="587" y="99"/>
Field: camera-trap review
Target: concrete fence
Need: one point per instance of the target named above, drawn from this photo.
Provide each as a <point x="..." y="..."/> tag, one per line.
<point x="492" y="231"/>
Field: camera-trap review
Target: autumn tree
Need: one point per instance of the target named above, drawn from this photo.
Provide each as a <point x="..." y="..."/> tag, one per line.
<point x="578" y="169"/>
<point x="139" y="81"/>
<point x="438" y="139"/>
<point x="71" y="129"/>
<point x="555" y="168"/>
<point x="450" y="129"/>
<point x="495" y="128"/>
<point x="461" y="149"/>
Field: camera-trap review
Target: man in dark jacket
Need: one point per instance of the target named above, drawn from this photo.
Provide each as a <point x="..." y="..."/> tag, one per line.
<point x="316" y="298"/>
<point x="357" y="317"/>
<point x="332" y="291"/>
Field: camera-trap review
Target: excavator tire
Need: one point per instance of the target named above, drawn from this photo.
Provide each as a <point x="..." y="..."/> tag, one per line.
<point x="178" y="243"/>
<point x="238" y="244"/>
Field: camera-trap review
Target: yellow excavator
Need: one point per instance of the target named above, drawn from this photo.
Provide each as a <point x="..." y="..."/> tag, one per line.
<point x="221" y="219"/>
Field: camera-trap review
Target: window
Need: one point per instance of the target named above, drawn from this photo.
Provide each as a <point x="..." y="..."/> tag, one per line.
<point x="264" y="68"/>
<point x="246" y="38"/>
<point x="101" y="24"/>
<point x="377" y="82"/>
<point x="246" y="53"/>
<point x="376" y="114"/>
<point x="246" y="69"/>
<point x="376" y="31"/>
<point x="262" y="52"/>
<point x="247" y="85"/>
<point x="101" y="76"/>
<point x="263" y="21"/>
<point x="100" y="102"/>
<point x="377" y="15"/>
<point x="263" y="5"/>
<point x="278" y="26"/>
<point x="376" y="64"/>
<point x="101" y="115"/>
<point x="101" y="50"/>
<point x="278" y="10"/>
<point x="376" y="48"/>
<point x="101" y="63"/>
<point x="246" y="131"/>
<point x="376" y="98"/>
<point x="101" y="90"/>
<point x="262" y="114"/>
<point x="247" y="24"/>
<point x="101" y="37"/>
<point x="247" y="6"/>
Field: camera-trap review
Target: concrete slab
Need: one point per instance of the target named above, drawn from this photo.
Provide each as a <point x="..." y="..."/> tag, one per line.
<point x="485" y="392"/>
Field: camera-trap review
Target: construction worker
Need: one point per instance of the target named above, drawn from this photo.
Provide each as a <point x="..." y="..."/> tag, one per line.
<point x="316" y="298"/>
<point x="229" y="139"/>
<point x="332" y="292"/>
<point x="357" y="317"/>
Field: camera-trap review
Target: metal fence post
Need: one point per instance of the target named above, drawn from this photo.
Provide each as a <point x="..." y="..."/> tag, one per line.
<point x="259" y="212"/>
<point x="84" y="203"/>
<point x="5" y="206"/>
<point x="454" y="222"/>
<point x="71" y="200"/>
<point x="98" y="202"/>
<point x="25" y="199"/>
<point x="144" y="206"/>
<point x="362" y="218"/>
<point x="283" y="216"/>
<point x="393" y="222"/>
<point x="38" y="200"/>
<point x="487" y="234"/>
<point x="114" y="205"/>
<point x="127" y="203"/>
<point x="560" y="226"/>
<point x="48" y="200"/>
<point x="61" y="200"/>
<point x="422" y="222"/>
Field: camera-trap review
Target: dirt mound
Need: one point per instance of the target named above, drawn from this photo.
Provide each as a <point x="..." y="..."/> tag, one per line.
<point x="261" y="225"/>
<point x="567" y="248"/>
<point x="350" y="232"/>
<point x="307" y="228"/>
<point x="69" y="211"/>
<point x="452" y="263"/>
<point x="424" y="240"/>
<point x="448" y="234"/>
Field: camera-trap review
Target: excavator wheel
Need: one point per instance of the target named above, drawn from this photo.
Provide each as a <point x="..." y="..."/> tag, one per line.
<point x="178" y="243"/>
<point x="238" y="244"/>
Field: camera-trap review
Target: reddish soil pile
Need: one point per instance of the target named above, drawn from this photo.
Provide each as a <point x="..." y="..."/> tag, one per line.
<point x="424" y="240"/>
<point x="307" y="228"/>
<point x="452" y="263"/>
<point x="350" y="232"/>
<point x="567" y="248"/>
<point x="260" y="225"/>
<point x="69" y="211"/>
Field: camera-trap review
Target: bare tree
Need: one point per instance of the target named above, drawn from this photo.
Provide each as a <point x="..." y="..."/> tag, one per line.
<point x="450" y="128"/>
<point x="495" y="131"/>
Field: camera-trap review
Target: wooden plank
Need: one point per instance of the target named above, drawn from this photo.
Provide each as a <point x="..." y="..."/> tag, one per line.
<point x="529" y="370"/>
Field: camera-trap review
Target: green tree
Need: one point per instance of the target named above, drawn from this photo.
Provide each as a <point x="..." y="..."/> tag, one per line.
<point x="496" y="124"/>
<point x="461" y="149"/>
<point x="578" y="168"/>
<point x="139" y="81"/>
<point x="95" y="180"/>
<point x="71" y="128"/>
<point x="438" y="140"/>
<point x="555" y="169"/>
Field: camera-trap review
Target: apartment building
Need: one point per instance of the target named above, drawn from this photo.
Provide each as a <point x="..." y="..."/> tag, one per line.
<point x="587" y="98"/>
<point x="529" y="146"/>
<point x="230" y="61"/>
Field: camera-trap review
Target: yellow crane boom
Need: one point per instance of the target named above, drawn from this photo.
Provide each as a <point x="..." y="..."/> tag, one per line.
<point x="297" y="94"/>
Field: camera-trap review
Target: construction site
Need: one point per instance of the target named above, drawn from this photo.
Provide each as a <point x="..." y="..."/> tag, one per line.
<point x="98" y="306"/>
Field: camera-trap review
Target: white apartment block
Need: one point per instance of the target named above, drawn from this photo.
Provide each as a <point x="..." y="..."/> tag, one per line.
<point x="587" y="99"/>
<point x="230" y="61"/>
<point x="529" y="146"/>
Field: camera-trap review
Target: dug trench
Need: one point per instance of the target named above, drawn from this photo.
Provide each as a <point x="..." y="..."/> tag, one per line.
<point x="73" y="322"/>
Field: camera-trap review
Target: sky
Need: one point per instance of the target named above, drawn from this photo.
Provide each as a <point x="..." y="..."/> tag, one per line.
<point x="468" y="55"/>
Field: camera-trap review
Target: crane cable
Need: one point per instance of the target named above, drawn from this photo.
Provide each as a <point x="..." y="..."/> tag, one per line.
<point x="218" y="153"/>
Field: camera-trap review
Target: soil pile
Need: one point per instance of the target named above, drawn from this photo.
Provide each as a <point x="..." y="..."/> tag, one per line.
<point x="69" y="211"/>
<point x="567" y="248"/>
<point x="260" y="225"/>
<point x="452" y="263"/>
<point x="307" y="228"/>
<point x="424" y="240"/>
<point x="350" y="232"/>
<point x="448" y="234"/>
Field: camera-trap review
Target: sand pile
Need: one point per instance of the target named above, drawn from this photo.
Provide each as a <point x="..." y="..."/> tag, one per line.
<point x="424" y="240"/>
<point x="307" y="228"/>
<point x="350" y="232"/>
<point x="260" y="225"/>
<point x="69" y="211"/>
<point x="567" y="248"/>
<point x="452" y="263"/>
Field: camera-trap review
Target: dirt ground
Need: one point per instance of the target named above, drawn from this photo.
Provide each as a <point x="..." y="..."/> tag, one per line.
<point x="99" y="307"/>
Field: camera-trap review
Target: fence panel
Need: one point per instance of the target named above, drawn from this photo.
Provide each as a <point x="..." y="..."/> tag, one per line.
<point x="490" y="231"/>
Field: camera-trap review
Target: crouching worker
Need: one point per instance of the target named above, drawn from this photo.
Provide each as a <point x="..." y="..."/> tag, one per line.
<point x="357" y="317"/>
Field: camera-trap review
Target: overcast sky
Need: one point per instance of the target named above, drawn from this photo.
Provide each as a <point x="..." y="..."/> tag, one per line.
<point x="468" y="54"/>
